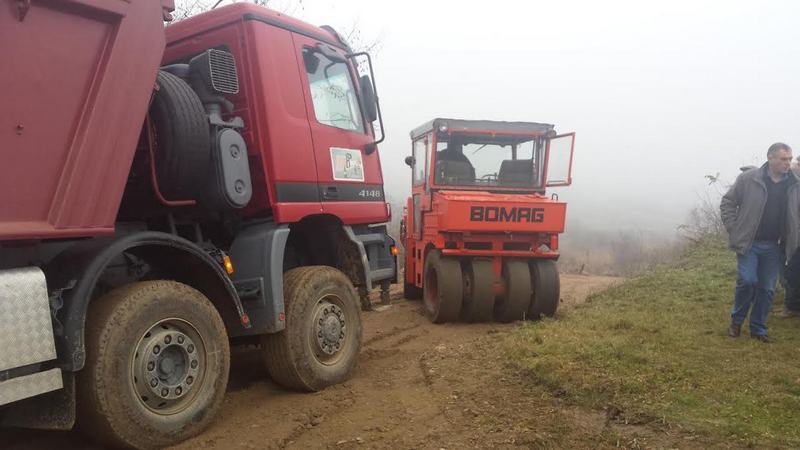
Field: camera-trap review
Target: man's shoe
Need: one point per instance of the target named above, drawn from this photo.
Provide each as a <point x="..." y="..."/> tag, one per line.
<point x="788" y="313"/>
<point x="734" y="330"/>
<point x="762" y="337"/>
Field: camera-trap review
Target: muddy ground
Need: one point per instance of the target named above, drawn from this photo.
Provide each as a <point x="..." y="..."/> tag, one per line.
<point x="417" y="385"/>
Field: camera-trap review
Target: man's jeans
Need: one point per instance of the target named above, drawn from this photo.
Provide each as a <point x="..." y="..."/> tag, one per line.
<point x="792" y="274"/>
<point x="755" y="284"/>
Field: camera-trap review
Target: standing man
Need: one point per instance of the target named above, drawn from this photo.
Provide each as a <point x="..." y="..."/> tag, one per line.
<point x="791" y="280"/>
<point x="761" y="213"/>
<point x="791" y="304"/>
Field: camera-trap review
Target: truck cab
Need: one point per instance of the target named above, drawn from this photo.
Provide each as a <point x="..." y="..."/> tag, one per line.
<point x="308" y="112"/>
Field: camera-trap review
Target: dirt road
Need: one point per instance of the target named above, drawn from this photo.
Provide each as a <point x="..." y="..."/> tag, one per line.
<point x="418" y="385"/>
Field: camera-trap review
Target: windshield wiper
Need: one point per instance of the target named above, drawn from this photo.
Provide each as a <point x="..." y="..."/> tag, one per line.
<point x="479" y="148"/>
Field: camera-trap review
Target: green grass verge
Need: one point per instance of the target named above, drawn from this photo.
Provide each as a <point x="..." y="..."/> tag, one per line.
<point x="655" y="349"/>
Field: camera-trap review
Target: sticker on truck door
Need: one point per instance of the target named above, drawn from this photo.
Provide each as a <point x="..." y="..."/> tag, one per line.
<point x="347" y="164"/>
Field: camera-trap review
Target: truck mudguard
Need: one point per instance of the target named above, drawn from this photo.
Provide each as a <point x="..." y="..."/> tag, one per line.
<point x="77" y="270"/>
<point x="257" y="256"/>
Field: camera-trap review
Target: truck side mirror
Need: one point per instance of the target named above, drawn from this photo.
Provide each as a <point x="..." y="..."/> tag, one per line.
<point x="410" y="161"/>
<point x="311" y="61"/>
<point x="369" y="100"/>
<point x="370" y="104"/>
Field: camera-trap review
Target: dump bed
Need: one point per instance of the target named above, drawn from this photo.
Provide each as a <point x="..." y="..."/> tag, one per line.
<point x="76" y="86"/>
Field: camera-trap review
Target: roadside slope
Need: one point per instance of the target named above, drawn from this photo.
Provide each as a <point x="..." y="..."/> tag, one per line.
<point x="655" y="351"/>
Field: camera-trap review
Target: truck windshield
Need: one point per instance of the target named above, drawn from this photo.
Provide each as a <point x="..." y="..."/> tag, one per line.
<point x="489" y="161"/>
<point x="332" y="92"/>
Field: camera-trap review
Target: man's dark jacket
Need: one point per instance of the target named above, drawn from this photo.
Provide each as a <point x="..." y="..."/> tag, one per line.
<point x="743" y="205"/>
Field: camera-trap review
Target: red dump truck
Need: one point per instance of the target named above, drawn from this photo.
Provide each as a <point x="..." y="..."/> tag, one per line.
<point x="166" y="192"/>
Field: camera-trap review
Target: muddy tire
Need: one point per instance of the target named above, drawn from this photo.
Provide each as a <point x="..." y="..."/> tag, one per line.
<point x="411" y="292"/>
<point x="514" y="305"/>
<point x="157" y="360"/>
<point x="546" y="289"/>
<point x="478" y="291"/>
<point x="442" y="288"/>
<point x="320" y="344"/>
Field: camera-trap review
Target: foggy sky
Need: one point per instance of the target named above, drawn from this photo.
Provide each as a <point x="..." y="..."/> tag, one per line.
<point x="658" y="94"/>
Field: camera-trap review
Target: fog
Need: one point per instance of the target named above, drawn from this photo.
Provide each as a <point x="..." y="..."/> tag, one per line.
<point x="658" y="94"/>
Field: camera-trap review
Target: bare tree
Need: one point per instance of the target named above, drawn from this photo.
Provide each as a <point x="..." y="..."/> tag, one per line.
<point x="705" y="219"/>
<point x="351" y="34"/>
<point x="188" y="8"/>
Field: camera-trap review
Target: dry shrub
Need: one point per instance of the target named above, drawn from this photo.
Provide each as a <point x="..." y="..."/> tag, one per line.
<point x="615" y="252"/>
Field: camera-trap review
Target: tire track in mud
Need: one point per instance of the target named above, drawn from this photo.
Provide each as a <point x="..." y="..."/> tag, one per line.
<point x="416" y="385"/>
<point x="391" y="350"/>
<point x="427" y="372"/>
<point x="410" y="337"/>
<point x="393" y="332"/>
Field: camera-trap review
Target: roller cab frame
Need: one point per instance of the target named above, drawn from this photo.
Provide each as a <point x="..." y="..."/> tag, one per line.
<point x="479" y="230"/>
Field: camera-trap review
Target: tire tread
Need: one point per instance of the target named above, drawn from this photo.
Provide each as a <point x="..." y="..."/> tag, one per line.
<point x="107" y="315"/>
<point x="288" y="365"/>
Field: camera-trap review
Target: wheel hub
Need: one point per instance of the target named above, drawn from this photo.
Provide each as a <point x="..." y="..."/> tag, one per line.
<point x="167" y="363"/>
<point x="329" y="328"/>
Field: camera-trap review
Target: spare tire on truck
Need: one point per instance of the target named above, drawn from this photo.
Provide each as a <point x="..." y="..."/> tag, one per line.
<point x="183" y="142"/>
<point x="157" y="360"/>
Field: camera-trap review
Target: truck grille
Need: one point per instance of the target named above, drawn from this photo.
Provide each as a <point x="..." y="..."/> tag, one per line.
<point x="222" y="66"/>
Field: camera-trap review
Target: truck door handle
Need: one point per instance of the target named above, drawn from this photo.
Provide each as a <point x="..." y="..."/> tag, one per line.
<point x="330" y="193"/>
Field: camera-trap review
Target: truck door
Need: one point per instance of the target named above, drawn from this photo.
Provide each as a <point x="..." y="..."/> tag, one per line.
<point x="349" y="180"/>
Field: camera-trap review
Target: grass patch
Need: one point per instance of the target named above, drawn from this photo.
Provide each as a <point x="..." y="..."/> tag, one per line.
<point x="656" y="349"/>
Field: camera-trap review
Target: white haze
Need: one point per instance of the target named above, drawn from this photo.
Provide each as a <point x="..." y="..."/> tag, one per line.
<point x="659" y="93"/>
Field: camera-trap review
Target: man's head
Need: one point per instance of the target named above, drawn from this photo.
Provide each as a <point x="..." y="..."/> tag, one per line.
<point x="779" y="158"/>
<point x="454" y="147"/>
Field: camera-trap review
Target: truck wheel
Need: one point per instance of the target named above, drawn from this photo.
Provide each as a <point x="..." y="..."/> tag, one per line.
<point x="320" y="344"/>
<point x="442" y="288"/>
<point x="157" y="360"/>
<point x="411" y="292"/>
<point x="478" y="291"/>
<point x="514" y="305"/>
<point x="546" y="289"/>
<point x="183" y="153"/>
